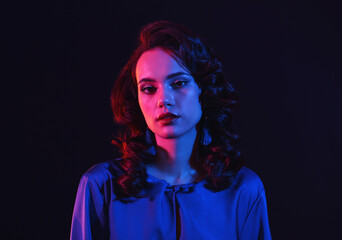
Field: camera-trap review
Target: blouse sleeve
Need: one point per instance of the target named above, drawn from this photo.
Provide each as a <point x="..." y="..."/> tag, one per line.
<point x="89" y="219"/>
<point x="256" y="225"/>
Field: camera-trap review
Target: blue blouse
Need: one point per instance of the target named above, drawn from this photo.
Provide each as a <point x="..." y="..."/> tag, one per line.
<point x="186" y="211"/>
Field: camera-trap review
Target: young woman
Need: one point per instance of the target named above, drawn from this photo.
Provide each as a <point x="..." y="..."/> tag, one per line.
<point x="180" y="175"/>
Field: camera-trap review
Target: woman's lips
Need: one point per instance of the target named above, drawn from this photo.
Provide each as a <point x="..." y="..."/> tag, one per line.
<point x="166" y="118"/>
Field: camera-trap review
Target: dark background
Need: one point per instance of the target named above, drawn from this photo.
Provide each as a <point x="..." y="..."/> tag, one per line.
<point x="62" y="58"/>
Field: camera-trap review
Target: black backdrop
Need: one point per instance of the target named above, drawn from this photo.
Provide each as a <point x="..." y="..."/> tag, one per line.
<point x="62" y="57"/>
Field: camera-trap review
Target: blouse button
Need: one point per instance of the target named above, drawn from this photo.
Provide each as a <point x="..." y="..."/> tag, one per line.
<point x="175" y="188"/>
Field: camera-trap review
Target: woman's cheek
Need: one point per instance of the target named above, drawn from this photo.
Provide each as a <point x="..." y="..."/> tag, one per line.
<point x="145" y="106"/>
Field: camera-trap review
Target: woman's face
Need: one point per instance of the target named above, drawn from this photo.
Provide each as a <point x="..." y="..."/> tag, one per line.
<point x="168" y="95"/>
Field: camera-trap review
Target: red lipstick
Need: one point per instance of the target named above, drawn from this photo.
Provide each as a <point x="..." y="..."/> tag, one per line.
<point x="166" y="118"/>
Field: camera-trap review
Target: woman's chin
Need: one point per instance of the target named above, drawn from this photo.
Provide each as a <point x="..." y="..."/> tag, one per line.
<point x="174" y="133"/>
<point x="167" y="134"/>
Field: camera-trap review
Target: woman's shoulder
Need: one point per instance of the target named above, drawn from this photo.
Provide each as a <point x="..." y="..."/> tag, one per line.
<point x="249" y="182"/>
<point x="102" y="172"/>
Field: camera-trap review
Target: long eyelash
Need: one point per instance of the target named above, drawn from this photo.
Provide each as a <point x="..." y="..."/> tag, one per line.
<point x="179" y="81"/>
<point x="144" y="89"/>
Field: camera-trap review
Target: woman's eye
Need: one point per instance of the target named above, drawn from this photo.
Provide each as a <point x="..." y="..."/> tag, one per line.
<point x="148" y="89"/>
<point x="178" y="84"/>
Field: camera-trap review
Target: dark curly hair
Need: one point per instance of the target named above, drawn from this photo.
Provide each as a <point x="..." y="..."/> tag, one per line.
<point x="220" y="159"/>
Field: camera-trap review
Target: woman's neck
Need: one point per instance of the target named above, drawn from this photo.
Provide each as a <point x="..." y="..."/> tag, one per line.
<point x="173" y="159"/>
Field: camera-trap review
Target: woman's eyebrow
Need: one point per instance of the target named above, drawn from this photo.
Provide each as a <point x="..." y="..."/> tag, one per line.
<point x="146" y="80"/>
<point x="172" y="75"/>
<point x="176" y="74"/>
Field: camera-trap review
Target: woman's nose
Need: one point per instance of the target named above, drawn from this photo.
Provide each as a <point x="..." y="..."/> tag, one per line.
<point x="165" y="98"/>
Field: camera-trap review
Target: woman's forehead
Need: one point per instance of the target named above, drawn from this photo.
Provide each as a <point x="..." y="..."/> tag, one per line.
<point x="157" y="64"/>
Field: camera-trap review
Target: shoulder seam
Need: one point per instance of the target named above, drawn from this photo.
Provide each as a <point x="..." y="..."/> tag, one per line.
<point x="250" y="210"/>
